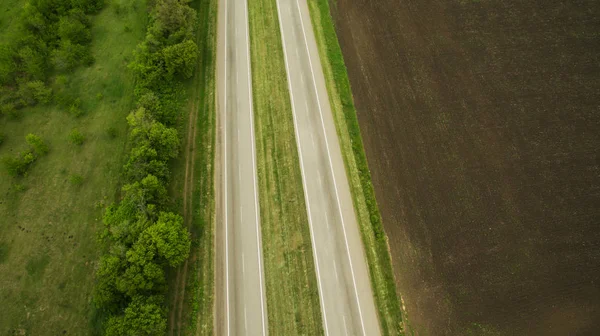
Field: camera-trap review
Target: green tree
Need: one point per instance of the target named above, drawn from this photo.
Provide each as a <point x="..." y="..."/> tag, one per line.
<point x="148" y="191"/>
<point x="169" y="237"/>
<point x="144" y="316"/>
<point x="143" y="160"/>
<point x="33" y="62"/>
<point x="70" y="55"/>
<point x="180" y="59"/>
<point x="7" y="64"/>
<point x="70" y="28"/>
<point x="145" y="130"/>
<point x="34" y="92"/>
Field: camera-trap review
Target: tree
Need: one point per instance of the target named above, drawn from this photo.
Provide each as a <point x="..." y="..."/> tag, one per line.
<point x="71" y="28"/>
<point x="144" y="316"/>
<point x="148" y="191"/>
<point x="7" y="64"/>
<point x="109" y="270"/>
<point x="141" y="275"/>
<point x="180" y="59"/>
<point x="173" y="20"/>
<point x="169" y="237"/>
<point x="34" y="92"/>
<point x="33" y="62"/>
<point x="145" y="130"/>
<point x="143" y="160"/>
<point x="69" y="55"/>
<point x="37" y="144"/>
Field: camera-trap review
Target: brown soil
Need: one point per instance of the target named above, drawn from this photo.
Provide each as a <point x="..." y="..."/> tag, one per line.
<point x="481" y="123"/>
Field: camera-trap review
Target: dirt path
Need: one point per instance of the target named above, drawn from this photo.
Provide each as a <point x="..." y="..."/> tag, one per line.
<point x="190" y="150"/>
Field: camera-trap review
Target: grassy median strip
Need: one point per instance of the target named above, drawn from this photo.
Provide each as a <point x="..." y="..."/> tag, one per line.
<point x="344" y="113"/>
<point x="291" y="283"/>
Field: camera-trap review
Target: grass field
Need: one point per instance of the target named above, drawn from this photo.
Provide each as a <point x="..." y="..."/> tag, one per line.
<point x="48" y="224"/>
<point x="480" y="123"/>
<point x="369" y="219"/>
<point x="192" y="297"/>
<point x="292" y="296"/>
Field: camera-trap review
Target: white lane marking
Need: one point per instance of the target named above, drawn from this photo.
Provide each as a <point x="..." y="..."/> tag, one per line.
<point x="312" y="139"/>
<point x="245" y="320"/>
<point x="362" y="324"/>
<point x="226" y="171"/>
<point x="345" y="328"/>
<point x="243" y="264"/>
<point x="327" y="222"/>
<point x="335" y="270"/>
<point x="258" y="237"/>
<point x="306" y="198"/>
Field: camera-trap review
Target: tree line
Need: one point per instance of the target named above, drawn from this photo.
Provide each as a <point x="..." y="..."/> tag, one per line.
<point x="53" y="37"/>
<point x="141" y="237"/>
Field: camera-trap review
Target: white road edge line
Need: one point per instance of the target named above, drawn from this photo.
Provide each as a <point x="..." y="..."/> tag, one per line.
<point x="226" y="171"/>
<point x="256" y="209"/>
<point x="306" y="198"/>
<point x="362" y="324"/>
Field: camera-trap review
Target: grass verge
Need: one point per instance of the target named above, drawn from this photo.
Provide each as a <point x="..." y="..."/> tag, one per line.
<point x="291" y="283"/>
<point x="48" y="249"/>
<point x="194" y="307"/>
<point x="344" y="113"/>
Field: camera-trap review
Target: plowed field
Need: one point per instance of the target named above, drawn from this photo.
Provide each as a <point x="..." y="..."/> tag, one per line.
<point x="481" y="123"/>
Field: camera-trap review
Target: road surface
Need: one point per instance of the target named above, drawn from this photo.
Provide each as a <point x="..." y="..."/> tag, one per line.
<point x="344" y="287"/>
<point x="244" y="308"/>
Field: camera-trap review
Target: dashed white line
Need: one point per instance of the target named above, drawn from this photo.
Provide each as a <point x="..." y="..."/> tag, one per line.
<point x="345" y="327"/>
<point x="246" y="320"/>
<point x="335" y="270"/>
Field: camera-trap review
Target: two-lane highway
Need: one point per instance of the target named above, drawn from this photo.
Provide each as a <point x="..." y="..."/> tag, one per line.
<point x="244" y="308"/>
<point x="345" y="290"/>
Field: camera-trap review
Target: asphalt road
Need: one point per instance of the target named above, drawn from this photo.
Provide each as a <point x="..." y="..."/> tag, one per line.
<point x="345" y="291"/>
<point x="244" y="310"/>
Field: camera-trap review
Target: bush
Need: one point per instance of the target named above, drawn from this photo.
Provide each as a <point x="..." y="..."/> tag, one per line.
<point x="76" y="137"/>
<point x="75" y="108"/>
<point x="35" y="92"/>
<point x="112" y="132"/>
<point x="37" y="144"/>
<point x="17" y="166"/>
<point x="76" y="179"/>
<point x="1" y="138"/>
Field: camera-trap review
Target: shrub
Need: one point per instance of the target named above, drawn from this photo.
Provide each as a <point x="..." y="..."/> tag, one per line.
<point x="76" y="179"/>
<point x="17" y="166"/>
<point x="34" y="92"/>
<point x="37" y="144"/>
<point x="112" y="132"/>
<point x="75" y="108"/>
<point x="1" y="138"/>
<point x="76" y="137"/>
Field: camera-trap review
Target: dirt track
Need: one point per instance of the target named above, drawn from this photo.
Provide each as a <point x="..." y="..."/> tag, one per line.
<point x="481" y="123"/>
